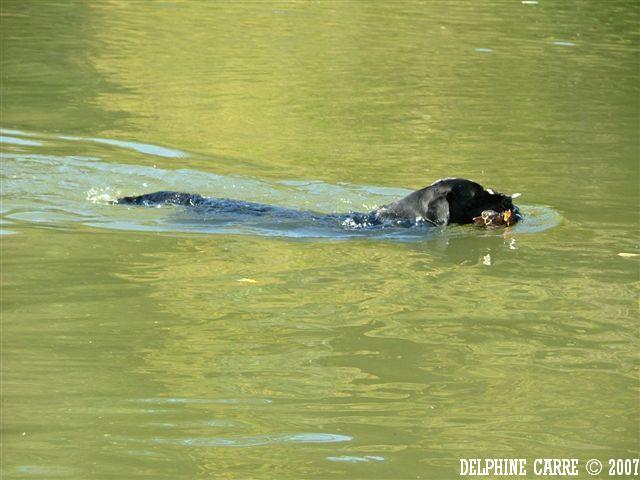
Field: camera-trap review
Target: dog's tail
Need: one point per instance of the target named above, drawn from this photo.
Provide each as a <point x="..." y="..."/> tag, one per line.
<point x="162" y="198"/>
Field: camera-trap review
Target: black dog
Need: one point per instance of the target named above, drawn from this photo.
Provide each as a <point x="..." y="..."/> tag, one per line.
<point x="452" y="200"/>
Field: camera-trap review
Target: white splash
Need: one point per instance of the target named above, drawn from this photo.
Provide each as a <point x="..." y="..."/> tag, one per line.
<point x="100" y="195"/>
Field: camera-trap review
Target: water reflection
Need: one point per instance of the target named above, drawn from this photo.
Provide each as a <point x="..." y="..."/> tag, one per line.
<point x="138" y="147"/>
<point x="19" y="141"/>
<point x="124" y="326"/>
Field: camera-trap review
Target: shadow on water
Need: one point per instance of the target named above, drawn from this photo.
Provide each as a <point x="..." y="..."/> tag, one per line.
<point x="68" y="188"/>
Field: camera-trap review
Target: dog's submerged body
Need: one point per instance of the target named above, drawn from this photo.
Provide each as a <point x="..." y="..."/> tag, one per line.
<point x="448" y="201"/>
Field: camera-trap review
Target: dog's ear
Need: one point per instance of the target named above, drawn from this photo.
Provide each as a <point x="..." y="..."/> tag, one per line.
<point x="438" y="211"/>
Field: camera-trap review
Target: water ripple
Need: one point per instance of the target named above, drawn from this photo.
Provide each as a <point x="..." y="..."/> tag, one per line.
<point x="19" y="141"/>
<point x="258" y="440"/>
<point x="68" y="189"/>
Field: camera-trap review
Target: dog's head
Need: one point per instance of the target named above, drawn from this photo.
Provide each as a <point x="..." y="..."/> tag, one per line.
<point x="457" y="200"/>
<point x="497" y="209"/>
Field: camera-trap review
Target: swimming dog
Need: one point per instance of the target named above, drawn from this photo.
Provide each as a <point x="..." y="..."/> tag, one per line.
<point x="444" y="202"/>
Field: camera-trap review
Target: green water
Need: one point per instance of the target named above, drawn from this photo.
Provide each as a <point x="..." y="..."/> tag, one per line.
<point x="147" y="343"/>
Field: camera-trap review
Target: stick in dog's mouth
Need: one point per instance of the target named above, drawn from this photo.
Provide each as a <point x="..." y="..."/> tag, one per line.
<point x="491" y="218"/>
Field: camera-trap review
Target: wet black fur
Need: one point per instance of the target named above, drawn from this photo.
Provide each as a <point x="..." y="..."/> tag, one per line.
<point x="448" y="201"/>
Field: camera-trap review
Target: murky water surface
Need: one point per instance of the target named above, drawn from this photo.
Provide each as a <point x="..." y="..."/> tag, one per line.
<point x="159" y="343"/>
